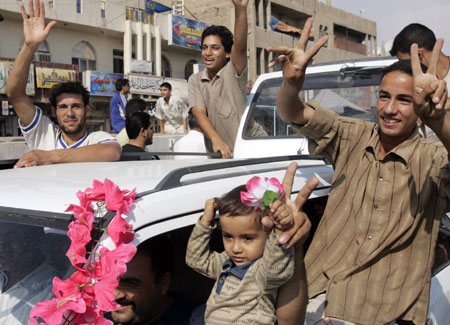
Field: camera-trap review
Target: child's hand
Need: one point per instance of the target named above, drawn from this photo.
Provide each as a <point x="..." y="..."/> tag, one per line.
<point x="282" y="214"/>
<point x="209" y="213"/>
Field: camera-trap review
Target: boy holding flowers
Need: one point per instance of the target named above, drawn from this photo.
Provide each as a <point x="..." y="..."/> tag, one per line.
<point x="254" y="265"/>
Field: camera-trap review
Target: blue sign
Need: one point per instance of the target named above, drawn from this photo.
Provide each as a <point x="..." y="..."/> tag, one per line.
<point x="104" y="83"/>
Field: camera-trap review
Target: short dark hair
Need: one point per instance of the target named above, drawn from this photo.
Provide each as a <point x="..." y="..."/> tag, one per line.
<point x="413" y="33"/>
<point x="166" y="85"/>
<point x="192" y="122"/>
<point x="135" y="122"/>
<point x="136" y="105"/>
<point x="120" y="83"/>
<point x="403" y="66"/>
<point x="230" y="203"/>
<point x="226" y="37"/>
<point x="160" y="250"/>
<point x="69" y="88"/>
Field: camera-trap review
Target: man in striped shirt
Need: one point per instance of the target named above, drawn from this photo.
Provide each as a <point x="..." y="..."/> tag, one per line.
<point x="371" y="256"/>
<point x="70" y="103"/>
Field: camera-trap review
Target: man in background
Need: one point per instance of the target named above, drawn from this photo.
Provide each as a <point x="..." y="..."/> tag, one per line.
<point x="194" y="141"/>
<point x="133" y="105"/>
<point x="171" y="111"/>
<point x="117" y="106"/>
<point x="140" y="131"/>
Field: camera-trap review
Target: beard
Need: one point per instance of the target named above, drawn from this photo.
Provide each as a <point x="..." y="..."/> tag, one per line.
<point x="75" y="130"/>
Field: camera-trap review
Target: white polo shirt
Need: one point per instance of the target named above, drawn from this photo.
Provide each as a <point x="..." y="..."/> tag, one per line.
<point x="43" y="134"/>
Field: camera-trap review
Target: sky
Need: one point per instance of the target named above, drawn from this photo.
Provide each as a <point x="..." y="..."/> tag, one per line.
<point x="392" y="15"/>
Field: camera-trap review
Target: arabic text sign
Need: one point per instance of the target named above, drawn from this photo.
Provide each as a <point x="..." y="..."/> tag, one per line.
<point x="48" y="77"/>
<point x="104" y="84"/>
<point x="5" y="70"/>
<point x="144" y="84"/>
<point x="185" y="32"/>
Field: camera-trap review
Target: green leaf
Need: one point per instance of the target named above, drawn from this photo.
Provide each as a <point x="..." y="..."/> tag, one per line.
<point x="269" y="197"/>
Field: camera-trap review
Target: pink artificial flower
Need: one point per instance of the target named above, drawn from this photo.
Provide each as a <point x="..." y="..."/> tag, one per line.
<point x="114" y="261"/>
<point x="104" y="292"/>
<point x="119" y="230"/>
<point x="256" y="187"/>
<point x="52" y="311"/>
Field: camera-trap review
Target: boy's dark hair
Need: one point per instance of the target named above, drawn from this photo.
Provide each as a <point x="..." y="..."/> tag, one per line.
<point x="226" y="37"/>
<point x="135" y="105"/>
<point x="120" y="83"/>
<point x="403" y="66"/>
<point x="413" y="33"/>
<point x="161" y="253"/>
<point x="166" y="85"/>
<point x="192" y="122"/>
<point x="230" y="203"/>
<point x="69" y="88"/>
<point x="135" y="122"/>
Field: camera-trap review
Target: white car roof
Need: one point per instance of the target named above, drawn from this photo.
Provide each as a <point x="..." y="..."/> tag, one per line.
<point x="162" y="198"/>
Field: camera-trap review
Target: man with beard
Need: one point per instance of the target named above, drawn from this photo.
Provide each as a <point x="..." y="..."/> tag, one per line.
<point x="143" y="293"/>
<point x="140" y="131"/>
<point x="70" y="104"/>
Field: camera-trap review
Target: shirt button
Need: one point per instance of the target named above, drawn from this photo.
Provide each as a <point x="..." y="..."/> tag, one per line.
<point x="375" y="206"/>
<point x="380" y="178"/>
<point x="369" y="237"/>
<point x="334" y="282"/>
<point x="221" y="281"/>
<point x="356" y="264"/>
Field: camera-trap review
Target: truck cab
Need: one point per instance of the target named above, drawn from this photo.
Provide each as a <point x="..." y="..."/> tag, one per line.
<point x="349" y="88"/>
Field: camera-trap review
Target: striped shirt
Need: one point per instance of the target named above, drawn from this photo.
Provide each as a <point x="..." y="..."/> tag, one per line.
<point x="373" y="250"/>
<point x="250" y="300"/>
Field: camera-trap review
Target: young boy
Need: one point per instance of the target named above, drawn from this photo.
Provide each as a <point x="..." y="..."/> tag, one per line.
<point x="253" y="265"/>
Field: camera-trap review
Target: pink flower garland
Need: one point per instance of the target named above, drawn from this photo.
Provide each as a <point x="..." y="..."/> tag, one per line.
<point x="89" y="292"/>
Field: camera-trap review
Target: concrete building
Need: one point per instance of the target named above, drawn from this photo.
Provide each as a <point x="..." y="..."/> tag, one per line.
<point x="99" y="36"/>
<point x="350" y="36"/>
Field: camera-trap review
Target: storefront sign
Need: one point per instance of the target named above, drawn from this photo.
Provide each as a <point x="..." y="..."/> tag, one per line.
<point x="48" y="77"/>
<point x="5" y="108"/>
<point x="144" y="84"/>
<point x="141" y="66"/>
<point x="185" y="32"/>
<point x="102" y="84"/>
<point x="5" y="70"/>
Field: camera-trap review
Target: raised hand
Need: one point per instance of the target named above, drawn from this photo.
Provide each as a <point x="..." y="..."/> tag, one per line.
<point x="430" y="93"/>
<point x="295" y="61"/>
<point x="209" y="213"/>
<point x="34" y="28"/>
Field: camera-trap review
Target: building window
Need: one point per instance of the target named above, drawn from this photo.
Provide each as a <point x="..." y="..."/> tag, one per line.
<point x="165" y="67"/>
<point x="189" y="68"/>
<point x="103" y="8"/>
<point x="258" y="60"/>
<point x="42" y="54"/>
<point x="78" y="6"/>
<point x="83" y="55"/>
<point x="117" y="61"/>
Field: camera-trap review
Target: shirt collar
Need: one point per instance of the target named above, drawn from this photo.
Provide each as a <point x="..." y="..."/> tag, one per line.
<point x="404" y="150"/>
<point x="204" y="73"/>
<point x="238" y="271"/>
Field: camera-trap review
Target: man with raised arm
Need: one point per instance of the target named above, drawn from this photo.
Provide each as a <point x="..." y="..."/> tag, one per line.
<point x="70" y="103"/>
<point x="370" y="259"/>
<point x="217" y="94"/>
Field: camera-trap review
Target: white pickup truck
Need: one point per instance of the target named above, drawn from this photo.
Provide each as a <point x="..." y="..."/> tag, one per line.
<point x="347" y="87"/>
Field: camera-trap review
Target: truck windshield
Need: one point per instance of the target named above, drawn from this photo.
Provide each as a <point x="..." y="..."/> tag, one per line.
<point x="349" y="93"/>
<point x="30" y="257"/>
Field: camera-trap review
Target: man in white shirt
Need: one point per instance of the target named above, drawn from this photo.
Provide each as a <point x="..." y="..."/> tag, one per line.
<point x="70" y="104"/>
<point x="194" y="141"/>
<point x="171" y="111"/>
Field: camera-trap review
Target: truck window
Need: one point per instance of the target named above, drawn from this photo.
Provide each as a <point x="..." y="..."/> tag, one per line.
<point x="350" y="92"/>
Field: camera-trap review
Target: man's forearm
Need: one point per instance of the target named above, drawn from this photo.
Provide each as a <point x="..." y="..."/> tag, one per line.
<point x="161" y="126"/>
<point x="96" y="152"/>
<point x="206" y="126"/>
<point x="17" y="80"/>
<point x="241" y="29"/>
<point x="293" y="295"/>
<point x="289" y="106"/>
